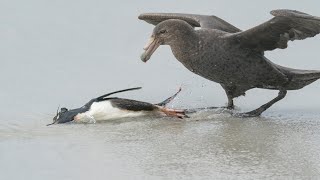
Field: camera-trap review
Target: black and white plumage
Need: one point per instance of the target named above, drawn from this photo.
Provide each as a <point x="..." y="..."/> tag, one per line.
<point x="105" y="108"/>
<point x="222" y="53"/>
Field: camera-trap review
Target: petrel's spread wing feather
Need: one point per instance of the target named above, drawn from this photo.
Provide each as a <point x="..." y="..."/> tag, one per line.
<point x="203" y="21"/>
<point x="275" y="33"/>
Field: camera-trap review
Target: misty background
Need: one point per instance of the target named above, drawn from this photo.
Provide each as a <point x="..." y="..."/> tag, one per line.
<point x="67" y="52"/>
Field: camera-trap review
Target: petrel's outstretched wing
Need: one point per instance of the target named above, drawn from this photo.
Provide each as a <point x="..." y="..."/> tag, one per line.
<point x="203" y="21"/>
<point x="275" y="33"/>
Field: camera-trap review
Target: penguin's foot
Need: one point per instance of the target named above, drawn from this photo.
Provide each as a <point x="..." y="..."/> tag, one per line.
<point x="174" y="112"/>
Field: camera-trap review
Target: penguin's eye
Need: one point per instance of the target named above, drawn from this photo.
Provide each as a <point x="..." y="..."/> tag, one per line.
<point x="163" y="31"/>
<point x="63" y="110"/>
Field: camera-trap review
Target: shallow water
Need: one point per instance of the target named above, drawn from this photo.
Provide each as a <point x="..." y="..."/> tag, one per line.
<point x="209" y="144"/>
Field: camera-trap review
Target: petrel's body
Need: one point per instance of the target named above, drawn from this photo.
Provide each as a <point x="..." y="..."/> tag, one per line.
<point x="103" y="108"/>
<point x="224" y="54"/>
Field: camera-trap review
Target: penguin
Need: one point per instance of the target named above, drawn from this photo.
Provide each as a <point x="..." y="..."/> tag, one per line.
<point x="106" y="108"/>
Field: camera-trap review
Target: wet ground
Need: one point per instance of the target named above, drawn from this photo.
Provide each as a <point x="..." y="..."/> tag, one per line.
<point x="210" y="144"/>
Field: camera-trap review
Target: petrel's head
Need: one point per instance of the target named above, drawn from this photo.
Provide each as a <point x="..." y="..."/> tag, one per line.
<point x="166" y="33"/>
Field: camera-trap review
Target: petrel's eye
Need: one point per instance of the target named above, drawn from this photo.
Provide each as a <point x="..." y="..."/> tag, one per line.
<point x="163" y="31"/>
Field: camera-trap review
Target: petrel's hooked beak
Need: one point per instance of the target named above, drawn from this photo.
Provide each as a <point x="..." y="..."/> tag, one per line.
<point x="150" y="48"/>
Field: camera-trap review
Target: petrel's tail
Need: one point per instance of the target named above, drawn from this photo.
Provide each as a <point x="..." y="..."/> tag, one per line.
<point x="299" y="78"/>
<point x="168" y="100"/>
<point x="302" y="78"/>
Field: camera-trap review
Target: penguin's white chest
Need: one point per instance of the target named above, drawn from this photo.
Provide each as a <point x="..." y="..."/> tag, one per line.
<point x="100" y="111"/>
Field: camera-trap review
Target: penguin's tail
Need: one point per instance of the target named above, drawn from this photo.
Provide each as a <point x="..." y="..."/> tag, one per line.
<point x="168" y="100"/>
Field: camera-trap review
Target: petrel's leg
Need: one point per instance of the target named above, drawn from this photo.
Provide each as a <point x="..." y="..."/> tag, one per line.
<point x="261" y="109"/>
<point x="230" y="102"/>
<point x="230" y="95"/>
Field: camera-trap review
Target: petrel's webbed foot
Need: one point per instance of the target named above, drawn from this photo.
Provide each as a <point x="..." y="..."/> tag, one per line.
<point x="261" y="109"/>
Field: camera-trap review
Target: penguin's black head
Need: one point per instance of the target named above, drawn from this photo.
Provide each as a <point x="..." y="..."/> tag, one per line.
<point x="64" y="116"/>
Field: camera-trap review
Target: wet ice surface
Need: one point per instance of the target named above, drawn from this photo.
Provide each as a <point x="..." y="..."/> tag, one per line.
<point x="209" y="144"/>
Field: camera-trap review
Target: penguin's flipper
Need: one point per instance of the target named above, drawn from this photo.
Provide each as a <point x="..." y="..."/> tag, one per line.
<point x="168" y="100"/>
<point x="102" y="98"/>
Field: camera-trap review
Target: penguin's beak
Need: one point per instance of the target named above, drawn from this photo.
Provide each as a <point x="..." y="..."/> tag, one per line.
<point x="55" y="118"/>
<point x="150" y="48"/>
<point x="52" y="124"/>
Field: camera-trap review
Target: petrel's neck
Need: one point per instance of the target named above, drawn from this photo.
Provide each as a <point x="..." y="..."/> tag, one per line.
<point x="185" y="47"/>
